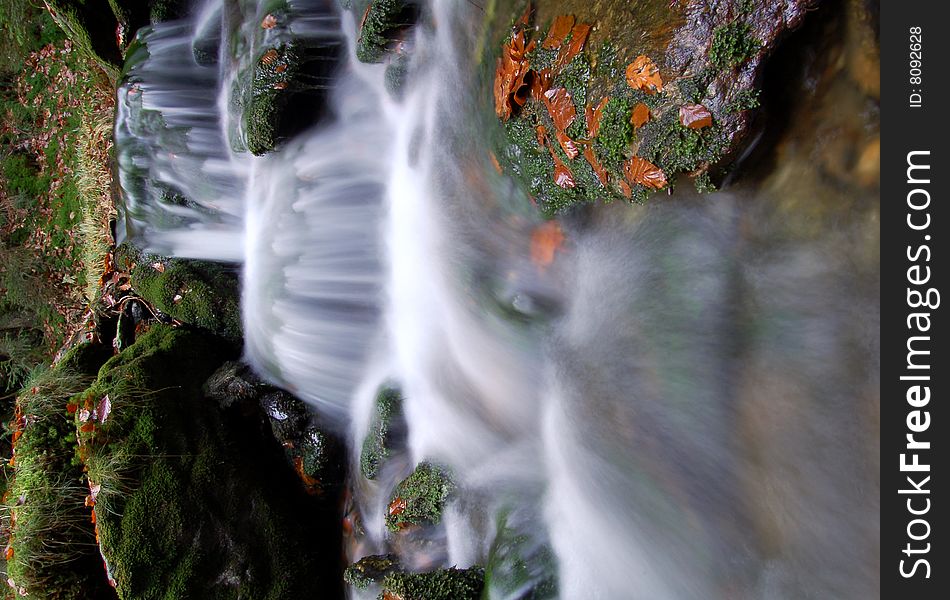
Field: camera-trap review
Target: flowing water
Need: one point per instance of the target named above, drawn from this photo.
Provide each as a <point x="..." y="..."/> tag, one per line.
<point x="682" y="405"/>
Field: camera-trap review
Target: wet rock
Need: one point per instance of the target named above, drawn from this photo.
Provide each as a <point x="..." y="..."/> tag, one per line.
<point x="420" y="498"/>
<point x="445" y="584"/>
<point x="315" y="455"/>
<point x="386" y="431"/>
<point x="654" y="58"/>
<point x="282" y="90"/>
<point x="381" y="26"/>
<point x="200" y="293"/>
<point x="195" y="500"/>
<point x="371" y="570"/>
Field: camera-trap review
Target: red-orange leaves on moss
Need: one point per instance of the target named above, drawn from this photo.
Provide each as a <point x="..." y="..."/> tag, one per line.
<point x="640" y="115"/>
<point x="647" y="174"/>
<point x="695" y="116"/>
<point x="573" y="47"/>
<point x="559" y="30"/>
<point x="643" y="75"/>
<point x="594" y="115"/>
<point x="546" y="239"/>
<point x="512" y="75"/>
<point x="598" y="168"/>
<point x="560" y="107"/>
<point x="270" y="21"/>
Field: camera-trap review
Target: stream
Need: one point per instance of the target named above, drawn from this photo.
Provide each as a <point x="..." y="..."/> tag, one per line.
<point x="682" y="404"/>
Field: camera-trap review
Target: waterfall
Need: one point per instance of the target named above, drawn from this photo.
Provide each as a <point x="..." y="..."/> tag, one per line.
<point x="642" y="406"/>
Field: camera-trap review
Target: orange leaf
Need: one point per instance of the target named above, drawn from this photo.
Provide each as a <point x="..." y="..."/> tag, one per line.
<point x="87" y="427"/>
<point x="270" y="21"/>
<point x="8" y="553"/>
<point x="638" y="170"/>
<point x="511" y="74"/>
<point x="640" y="115"/>
<point x="598" y="168"/>
<point x="561" y="107"/>
<point x="72" y="408"/>
<point x="540" y="82"/>
<point x="643" y="75"/>
<point x="398" y="506"/>
<point x="545" y="241"/>
<point x="567" y="144"/>
<point x="562" y="175"/>
<point x="594" y="116"/>
<point x="578" y="38"/>
<point x="695" y="116"/>
<point x="559" y="30"/>
<point x="542" y="134"/>
<point x="526" y="16"/>
<point x="625" y="189"/>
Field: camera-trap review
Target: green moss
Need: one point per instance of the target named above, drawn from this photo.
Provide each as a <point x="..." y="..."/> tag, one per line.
<point x="616" y="133"/>
<point x="445" y="584"/>
<point x="396" y="75"/>
<point x="424" y="494"/>
<point x="202" y="294"/>
<point x="381" y="25"/>
<point x="704" y="184"/>
<point x="744" y="100"/>
<point x="181" y="480"/>
<point x="377" y="445"/>
<point x="676" y="149"/>
<point x="732" y="44"/>
<point x="85" y="358"/>
<point x="371" y="570"/>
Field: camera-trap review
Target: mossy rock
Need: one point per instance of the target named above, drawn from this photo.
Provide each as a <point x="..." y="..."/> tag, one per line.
<point x="85" y="358"/>
<point x="90" y="25"/>
<point x="420" y="498"/>
<point x="384" y="432"/>
<point x="380" y="27"/>
<point x="708" y="55"/>
<point x="202" y="294"/>
<point x="444" y="584"/>
<point x="371" y="570"/>
<point x="195" y="502"/>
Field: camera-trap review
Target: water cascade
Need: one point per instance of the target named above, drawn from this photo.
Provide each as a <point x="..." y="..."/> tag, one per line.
<point x="648" y="414"/>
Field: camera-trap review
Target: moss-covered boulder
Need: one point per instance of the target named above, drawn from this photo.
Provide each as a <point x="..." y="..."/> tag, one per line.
<point x="91" y="26"/>
<point x="191" y="499"/>
<point x="603" y="108"/>
<point x="420" y="498"/>
<point x="281" y="90"/>
<point x="386" y="431"/>
<point x="445" y="584"/>
<point x="371" y="570"/>
<point x="381" y="25"/>
<point x="313" y="452"/>
<point x="200" y="293"/>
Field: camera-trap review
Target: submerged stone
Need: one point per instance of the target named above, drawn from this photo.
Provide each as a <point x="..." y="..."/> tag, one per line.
<point x="381" y="26"/>
<point x="519" y="566"/>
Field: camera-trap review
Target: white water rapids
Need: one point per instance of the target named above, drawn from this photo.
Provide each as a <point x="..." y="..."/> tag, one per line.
<point x="677" y="407"/>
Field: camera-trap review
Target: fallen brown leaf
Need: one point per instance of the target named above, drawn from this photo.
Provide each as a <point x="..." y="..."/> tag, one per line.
<point x="594" y="116"/>
<point x="640" y="115"/>
<point x="559" y="30"/>
<point x="578" y="38"/>
<point x="639" y="170"/>
<point x="598" y="168"/>
<point x="561" y="107"/>
<point x="695" y="116"/>
<point x="567" y="145"/>
<point x="643" y="74"/>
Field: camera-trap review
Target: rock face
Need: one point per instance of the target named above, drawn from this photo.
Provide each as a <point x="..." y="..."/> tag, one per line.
<point x="192" y="498"/>
<point x="614" y="100"/>
<point x="445" y="584"/>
